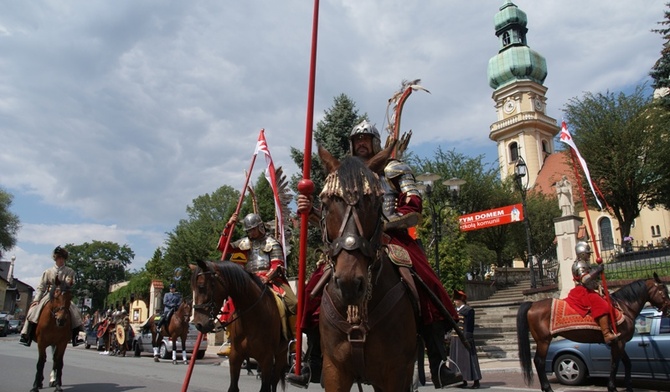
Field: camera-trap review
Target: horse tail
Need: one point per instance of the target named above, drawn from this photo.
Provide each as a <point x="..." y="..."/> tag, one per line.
<point x="524" y="342"/>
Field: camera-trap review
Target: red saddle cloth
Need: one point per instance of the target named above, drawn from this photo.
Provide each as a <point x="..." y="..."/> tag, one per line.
<point x="564" y="318"/>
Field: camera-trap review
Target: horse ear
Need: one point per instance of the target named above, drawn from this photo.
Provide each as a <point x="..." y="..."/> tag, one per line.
<point x="378" y="162"/>
<point x="329" y="161"/>
<point x="656" y="278"/>
<point x="192" y="267"/>
<point x="203" y="265"/>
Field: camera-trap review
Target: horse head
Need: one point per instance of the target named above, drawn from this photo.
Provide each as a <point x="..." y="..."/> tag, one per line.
<point x="185" y="309"/>
<point x="658" y="295"/>
<point x="207" y="299"/>
<point x="352" y="221"/>
<point x="60" y="297"/>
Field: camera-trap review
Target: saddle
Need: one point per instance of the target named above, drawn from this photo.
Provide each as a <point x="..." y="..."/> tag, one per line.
<point x="565" y="318"/>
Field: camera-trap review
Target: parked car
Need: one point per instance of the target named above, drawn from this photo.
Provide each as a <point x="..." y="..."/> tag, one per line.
<point x="14" y="326"/>
<point x="92" y="339"/>
<point x="649" y="352"/>
<point x="142" y="343"/>
<point x="4" y="327"/>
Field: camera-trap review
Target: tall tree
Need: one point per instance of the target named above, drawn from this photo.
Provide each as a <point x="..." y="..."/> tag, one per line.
<point x="616" y="134"/>
<point x="99" y="265"/>
<point x="9" y="223"/>
<point x="660" y="72"/>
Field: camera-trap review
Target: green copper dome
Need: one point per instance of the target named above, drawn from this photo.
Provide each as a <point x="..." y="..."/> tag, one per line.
<point x="515" y="60"/>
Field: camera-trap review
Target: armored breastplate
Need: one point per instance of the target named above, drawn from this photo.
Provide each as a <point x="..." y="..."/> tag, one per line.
<point x="390" y="197"/>
<point x="258" y="259"/>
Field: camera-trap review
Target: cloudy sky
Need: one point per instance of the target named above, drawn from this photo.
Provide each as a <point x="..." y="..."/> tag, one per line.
<point x="114" y="116"/>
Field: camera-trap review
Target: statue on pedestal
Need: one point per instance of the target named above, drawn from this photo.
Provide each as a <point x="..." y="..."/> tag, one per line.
<point x="564" y="192"/>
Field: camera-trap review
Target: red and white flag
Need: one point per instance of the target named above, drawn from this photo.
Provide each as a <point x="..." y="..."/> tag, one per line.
<point x="262" y="147"/>
<point x="566" y="138"/>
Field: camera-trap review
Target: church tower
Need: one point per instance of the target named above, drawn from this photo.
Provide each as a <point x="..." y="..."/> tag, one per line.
<point x="516" y="74"/>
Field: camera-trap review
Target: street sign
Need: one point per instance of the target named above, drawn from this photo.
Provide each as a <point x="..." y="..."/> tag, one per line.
<point x="490" y="218"/>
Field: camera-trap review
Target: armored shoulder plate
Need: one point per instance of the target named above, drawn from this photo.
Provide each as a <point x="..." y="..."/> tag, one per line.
<point x="400" y="171"/>
<point x="269" y="244"/>
<point x="243" y="244"/>
<point x="396" y="168"/>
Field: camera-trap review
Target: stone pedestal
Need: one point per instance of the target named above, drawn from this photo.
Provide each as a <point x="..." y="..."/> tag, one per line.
<point x="566" y="228"/>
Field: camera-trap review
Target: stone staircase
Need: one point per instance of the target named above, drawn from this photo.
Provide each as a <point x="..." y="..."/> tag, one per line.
<point x="495" y="322"/>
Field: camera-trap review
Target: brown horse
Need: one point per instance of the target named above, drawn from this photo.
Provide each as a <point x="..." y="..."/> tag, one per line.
<point x="54" y="328"/>
<point x="367" y="320"/>
<point x="630" y="299"/>
<point x="177" y="328"/>
<point x="258" y="333"/>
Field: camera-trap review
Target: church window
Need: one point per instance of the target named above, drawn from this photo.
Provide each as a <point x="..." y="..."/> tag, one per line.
<point x="505" y="38"/>
<point x="513" y="152"/>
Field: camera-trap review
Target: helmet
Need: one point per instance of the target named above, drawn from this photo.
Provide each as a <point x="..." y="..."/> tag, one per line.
<point x="173" y="286"/>
<point x="365" y="128"/>
<point x="60" y="252"/>
<point x="579" y="268"/>
<point x="583" y="250"/>
<point x="252" y="220"/>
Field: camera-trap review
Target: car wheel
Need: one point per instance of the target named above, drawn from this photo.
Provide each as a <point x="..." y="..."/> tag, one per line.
<point x="570" y="370"/>
<point x="163" y="352"/>
<point x="201" y="354"/>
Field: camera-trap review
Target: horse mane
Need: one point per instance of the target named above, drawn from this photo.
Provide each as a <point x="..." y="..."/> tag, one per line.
<point x="352" y="180"/>
<point x="234" y="274"/>
<point x="630" y="292"/>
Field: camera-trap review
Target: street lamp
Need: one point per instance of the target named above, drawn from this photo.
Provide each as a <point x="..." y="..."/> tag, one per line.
<point x="521" y="172"/>
<point x="454" y="185"/>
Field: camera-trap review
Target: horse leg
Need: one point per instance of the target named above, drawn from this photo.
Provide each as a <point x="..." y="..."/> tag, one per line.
<point x="59" y="354"/>
<point x="41" y="360"/>
<point x="540" y="360"/>
<point x="235" y="362"/>
<point x="174" y="350"/>
<point x="628" y="383"/>
<point x="267" y="373"/>
<point x="183" y="350"/>
<point x="619" y="353"/>
<point x="154" y="340"/>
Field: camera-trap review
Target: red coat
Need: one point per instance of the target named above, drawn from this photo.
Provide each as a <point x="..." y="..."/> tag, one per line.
<point x="584" y="300"/>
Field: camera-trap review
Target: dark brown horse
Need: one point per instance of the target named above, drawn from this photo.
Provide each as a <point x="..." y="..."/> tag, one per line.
<point x="535" y="317"/>
<point x="258" y="333"/>
<point x="54" y="329"/>
<point x="176" y="329"/>
<point x="367" y="320"/>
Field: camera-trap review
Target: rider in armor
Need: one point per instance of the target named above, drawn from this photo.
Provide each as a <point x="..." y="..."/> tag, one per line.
<point x="583" y="297"/>
<point x="264" y="256"/>
<point x="64" y="273"/>
<point x="402" y="210"/>
<point x="171" y="302"/>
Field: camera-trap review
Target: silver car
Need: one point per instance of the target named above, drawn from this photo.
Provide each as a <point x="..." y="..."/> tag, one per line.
<point x="649" y="352"/>
<point x="142" y="343"/>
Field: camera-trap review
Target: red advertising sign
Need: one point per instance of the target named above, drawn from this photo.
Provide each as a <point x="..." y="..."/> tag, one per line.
<point x="491" y="218"/>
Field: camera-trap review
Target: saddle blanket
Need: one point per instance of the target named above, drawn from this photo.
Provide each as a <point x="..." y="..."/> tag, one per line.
<point x="565" y="318"/>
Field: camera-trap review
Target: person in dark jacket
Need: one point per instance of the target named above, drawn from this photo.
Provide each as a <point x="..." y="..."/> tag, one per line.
<point x="465" y="359"/>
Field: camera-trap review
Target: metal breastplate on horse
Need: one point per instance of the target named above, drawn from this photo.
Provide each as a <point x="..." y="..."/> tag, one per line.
<point x="258" y="259"/>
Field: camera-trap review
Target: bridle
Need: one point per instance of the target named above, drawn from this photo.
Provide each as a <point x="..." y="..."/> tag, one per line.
<point x="59" y="291"/>
<point x="211" y="309"/>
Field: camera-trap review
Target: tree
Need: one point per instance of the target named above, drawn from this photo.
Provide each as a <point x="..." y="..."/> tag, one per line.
<point x="660" y="72"/>
<point x="9" y="223"/>
<point x="98" y="265"/>
<point x="617" y="134"/>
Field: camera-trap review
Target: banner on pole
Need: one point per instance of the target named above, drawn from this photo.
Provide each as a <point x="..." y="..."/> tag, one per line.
<point x="490" y="218"/>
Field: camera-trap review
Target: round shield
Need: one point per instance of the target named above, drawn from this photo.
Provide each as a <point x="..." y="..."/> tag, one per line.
<point x="120" y="334"/>
<point x="102" y="329"/>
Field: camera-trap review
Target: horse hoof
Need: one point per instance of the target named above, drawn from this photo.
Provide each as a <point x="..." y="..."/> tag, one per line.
<point x="174" y="362"/>
<point x="156" y="359"/>
<point x="58" y="389"/>
<point x="185" y="362"/>
<point x="52" y="384"/>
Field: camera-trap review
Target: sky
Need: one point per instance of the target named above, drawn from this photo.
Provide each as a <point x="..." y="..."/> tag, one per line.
<point x="114" y="116"/>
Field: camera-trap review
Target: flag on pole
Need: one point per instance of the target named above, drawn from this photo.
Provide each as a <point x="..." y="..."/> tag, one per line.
<point x="566" y="138"/>
<point x="262" y="147"/>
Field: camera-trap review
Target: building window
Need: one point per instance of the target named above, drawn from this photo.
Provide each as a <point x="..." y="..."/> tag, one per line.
<point x="606" y="239"/>
<point x="653" y="231"/>
<point x="513" y="152"/>
<point x="505" y="38"/>
<point x="656" y="231"/>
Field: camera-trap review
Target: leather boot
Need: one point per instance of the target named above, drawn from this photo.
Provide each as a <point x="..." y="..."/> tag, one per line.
<point x="27" y="339"/>
<point x="608" y="335"/>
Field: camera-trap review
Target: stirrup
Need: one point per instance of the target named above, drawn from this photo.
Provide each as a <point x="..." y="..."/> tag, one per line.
<point x="300" y="381"/>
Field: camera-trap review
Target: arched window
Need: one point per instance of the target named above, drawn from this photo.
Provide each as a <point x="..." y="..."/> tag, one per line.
<point x="606" y="239"/>
<point x="513" y="152"/>
<point x="505" y="38"/>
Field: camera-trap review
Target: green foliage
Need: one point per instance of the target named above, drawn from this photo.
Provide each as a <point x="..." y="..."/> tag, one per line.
<point x="660" y="72"/>
<point x="621" y="137"/>
<point x="9" y="223"/>
<point x="137" y="288"/>
<point x="99" y="265"/>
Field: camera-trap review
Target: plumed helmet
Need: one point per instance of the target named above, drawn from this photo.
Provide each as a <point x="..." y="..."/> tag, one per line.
<point x="366" y="128"/>
<point x="60" y="252"/>
<point x="252" y="220"/>
<point x="583" y="250"/>
<point x="579" y="268"/>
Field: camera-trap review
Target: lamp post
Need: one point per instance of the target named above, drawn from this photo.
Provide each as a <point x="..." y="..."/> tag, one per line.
<point x="521" y="172"/>
<point x="454" y="185"/>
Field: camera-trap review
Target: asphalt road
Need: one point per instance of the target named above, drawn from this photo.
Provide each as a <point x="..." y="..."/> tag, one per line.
<point x="87" y="371"/>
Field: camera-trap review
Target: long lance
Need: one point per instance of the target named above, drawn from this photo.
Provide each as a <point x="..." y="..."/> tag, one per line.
<point x="306" y="187"/>
<point x="189" y="371"/>
<point x="599" y="259"/>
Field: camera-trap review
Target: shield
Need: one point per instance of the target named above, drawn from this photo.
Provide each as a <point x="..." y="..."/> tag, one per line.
<point x="102" y="329"/>
<point x="120" y="334"/>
